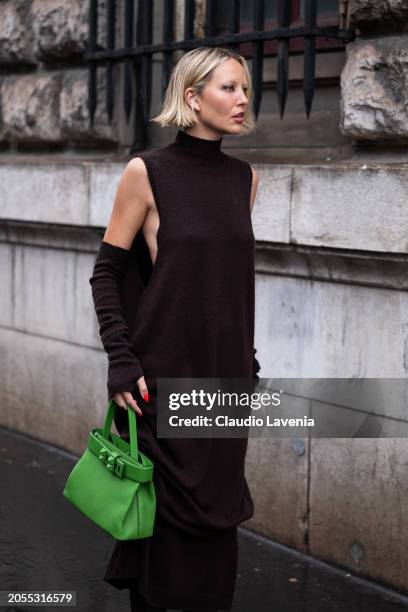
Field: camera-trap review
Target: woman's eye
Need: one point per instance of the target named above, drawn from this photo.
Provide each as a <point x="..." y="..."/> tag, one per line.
<point x="245" y="89"/>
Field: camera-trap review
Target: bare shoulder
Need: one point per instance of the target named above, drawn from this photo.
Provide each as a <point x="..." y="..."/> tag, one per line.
<point x="136" y="166"/>
<point x="135" y="181"/>
<point x="131" y="204"/>
<point x="135" y="170"/>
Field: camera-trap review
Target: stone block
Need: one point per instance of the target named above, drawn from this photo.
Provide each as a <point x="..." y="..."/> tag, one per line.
<point x="357" y="514"/>
<point x="74" y="113"/>
<point x="373" y="84"/>
<point x="6" y="275"/>
<point x="375" y="16"/>
<point x="311" y="329"/>
<point x="16" y="36"/>
<point x="283" y="465"/>
<point x="43" y="192"/>
<point x="30" y="107"/>
<point x="60" y="28"/>
<point x="271" y="214"/>
<point x="61" y="390"/>
<point x="348" y="207"/>
<point x="104" y="179"/>
<point x="52" y="294"/>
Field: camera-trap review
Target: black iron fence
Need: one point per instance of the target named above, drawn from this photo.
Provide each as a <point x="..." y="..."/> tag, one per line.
<point x="138" y="49"/>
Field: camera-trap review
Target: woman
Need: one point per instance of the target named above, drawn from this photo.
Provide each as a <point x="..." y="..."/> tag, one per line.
<point x="179" y="302"/>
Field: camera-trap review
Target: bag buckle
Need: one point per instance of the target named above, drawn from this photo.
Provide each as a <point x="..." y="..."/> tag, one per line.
<point x="112" y="461"/>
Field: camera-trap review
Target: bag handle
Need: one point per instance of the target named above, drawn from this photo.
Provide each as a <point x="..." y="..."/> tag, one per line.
<point x="134" y="450"/>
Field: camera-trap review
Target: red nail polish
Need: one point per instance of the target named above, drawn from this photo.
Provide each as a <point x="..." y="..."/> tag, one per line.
<point x="146" y="396"/>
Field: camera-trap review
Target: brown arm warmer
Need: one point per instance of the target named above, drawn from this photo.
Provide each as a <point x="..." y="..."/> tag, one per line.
<point x="124" y="367"/>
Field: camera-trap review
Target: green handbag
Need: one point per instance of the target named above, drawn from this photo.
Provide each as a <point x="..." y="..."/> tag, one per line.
<point x="112" y="483"/>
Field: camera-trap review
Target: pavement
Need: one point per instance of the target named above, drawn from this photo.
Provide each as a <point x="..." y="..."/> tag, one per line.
<point x="46" y="544"/>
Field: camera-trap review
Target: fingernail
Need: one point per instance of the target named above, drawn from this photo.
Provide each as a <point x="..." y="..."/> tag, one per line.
<point x="146" y="396"/>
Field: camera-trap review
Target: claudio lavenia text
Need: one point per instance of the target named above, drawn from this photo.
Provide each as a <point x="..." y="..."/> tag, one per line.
<point x="250" y="421"/>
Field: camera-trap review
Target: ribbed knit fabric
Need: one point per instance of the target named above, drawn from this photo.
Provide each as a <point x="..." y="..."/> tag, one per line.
<point x="124" y="367"/>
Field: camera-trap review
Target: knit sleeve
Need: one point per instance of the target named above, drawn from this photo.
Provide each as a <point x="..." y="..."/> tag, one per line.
<point x="124" y="368"/>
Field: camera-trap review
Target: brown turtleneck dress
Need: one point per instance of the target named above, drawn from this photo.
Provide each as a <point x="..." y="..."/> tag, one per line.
<point x="189" y="315"/>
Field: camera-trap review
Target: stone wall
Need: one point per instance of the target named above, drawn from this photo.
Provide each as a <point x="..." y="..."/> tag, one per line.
<point x="44" y="81"/>
<point x="44" y="78"/>
<point x="43" y="87"/>
<point x="374" y="79"/>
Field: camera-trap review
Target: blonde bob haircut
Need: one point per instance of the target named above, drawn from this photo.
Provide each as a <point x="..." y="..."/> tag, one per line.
<point x="194" y="69"/>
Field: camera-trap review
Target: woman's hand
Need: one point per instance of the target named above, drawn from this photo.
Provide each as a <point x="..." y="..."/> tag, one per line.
<point x="126" y="398"/>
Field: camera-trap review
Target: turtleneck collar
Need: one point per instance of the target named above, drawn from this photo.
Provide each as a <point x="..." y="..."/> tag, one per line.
<point x="201" y="146"/>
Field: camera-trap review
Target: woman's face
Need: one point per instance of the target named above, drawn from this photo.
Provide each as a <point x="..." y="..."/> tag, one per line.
<point x="221" y="98"/>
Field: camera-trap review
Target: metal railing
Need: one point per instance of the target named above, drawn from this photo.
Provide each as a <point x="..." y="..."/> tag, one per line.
<point x="138" y="51"/>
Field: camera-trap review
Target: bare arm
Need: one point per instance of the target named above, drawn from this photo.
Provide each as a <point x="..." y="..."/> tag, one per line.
<point x="130" y="205"/>
<point x="125" y="373"/>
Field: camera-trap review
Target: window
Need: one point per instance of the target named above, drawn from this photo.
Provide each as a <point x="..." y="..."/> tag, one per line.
<point x="327" y="15"/>
<point x="324" y="7"/>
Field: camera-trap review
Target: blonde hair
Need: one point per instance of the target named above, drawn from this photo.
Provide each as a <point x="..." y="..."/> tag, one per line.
<point x="194" y="69"/>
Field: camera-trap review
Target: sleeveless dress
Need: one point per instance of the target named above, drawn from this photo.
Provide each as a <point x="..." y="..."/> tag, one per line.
<point x="191" y="314"/>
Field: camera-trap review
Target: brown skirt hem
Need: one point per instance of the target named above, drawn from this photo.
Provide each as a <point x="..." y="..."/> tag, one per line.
<point x="162" y="600"/>
<point x="173" y="569"/>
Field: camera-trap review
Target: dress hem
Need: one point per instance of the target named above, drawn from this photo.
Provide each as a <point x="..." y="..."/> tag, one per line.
<point x="165" y="601"/>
